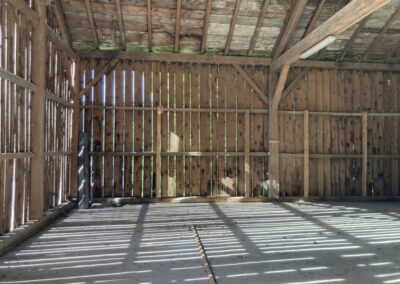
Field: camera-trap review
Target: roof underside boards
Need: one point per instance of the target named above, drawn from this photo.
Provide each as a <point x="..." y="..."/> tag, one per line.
<point x="134" y="17"/>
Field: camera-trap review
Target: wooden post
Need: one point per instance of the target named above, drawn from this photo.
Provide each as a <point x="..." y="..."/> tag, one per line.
<point x="75" y="79"/>
<point x="364" y="152"/>
<point x="158" y="153"/>
<point x="247" y="188"/>
<point x="38" y="114"/>
<point x="306" y="155"/>
<point x="275" y="93"/>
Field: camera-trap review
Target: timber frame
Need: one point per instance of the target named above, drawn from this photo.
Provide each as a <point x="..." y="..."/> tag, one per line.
<point x="283" y="59"/>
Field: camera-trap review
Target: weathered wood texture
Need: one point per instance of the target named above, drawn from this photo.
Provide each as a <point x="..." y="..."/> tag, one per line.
<point x="202" y="152"/>
<point x="17" y="115"/>
<point x="335" y="135"/>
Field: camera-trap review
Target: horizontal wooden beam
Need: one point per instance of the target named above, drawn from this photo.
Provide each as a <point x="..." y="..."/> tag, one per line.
<point x="9" y="76"/>
<point x="188" y="154"/>
<point x="11" y="240"/>
<point x="253" y="85"/>
<point x="352" y="13"/>
<point x="56" y="99"/>
<point x="241" y="60"/>
<point x="17" y="155"/>
<point x="213" y="110"/>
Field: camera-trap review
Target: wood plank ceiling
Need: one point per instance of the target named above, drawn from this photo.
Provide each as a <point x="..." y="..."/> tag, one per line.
<point x="230" y="27"/>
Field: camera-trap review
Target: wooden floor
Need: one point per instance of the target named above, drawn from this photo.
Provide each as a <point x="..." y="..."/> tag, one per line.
<point x="245" y="243"/>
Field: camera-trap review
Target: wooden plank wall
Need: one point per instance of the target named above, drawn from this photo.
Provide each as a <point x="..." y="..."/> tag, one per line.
<point x="202" y="129"/>
<point x="58" y="132"/>
<point x="336" y="100"/>
<point x="15" y="121"/>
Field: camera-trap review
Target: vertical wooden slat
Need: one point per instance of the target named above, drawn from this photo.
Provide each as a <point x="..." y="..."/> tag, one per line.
<point x="138" y="122"/>
<point x="129" y="133"/>
<point x="364" y="153"/>
<point x="306" y="162"/>
<point x="247" y="187"/>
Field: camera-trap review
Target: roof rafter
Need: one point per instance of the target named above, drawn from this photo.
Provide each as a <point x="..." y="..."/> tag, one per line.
<point x="89" y="12"/>
<point x="62" y="24"/>
<point x="377" y="39"/>
<point x="352" y="13"/>
<point x="121" y="23"/>
<point x="353" y="38"/>
<point x="260" y="20"/>
<point x="314" y="18"/>
<point x="292" y="21"/>
<point x="232" y="27"/>
<point x="177" y="24"/>
<point x="149" y="26"/>
<point x="205" y="28"/>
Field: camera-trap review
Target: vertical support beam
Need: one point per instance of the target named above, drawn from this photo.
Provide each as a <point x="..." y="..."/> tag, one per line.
<point x="273" y="161"/>
<point x="306" y="154"/>
<point x="75" y="74"/>
<point x="158" y="153"/>
<point x="247" y="188"/>
<point x="38" y="114"/>
<point x="364" y="152"/>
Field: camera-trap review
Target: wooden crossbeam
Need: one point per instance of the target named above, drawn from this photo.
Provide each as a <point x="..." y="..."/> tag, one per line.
<point x="62" y="24"/>
<point x="232" y="27"/>
<point x="121" y="23"/>
<point x="89" y="12"/>
<point x="314" y="18"/>
<point x="253" y="84"/>
<point x="242" y="60"/>
<point x="104" y="71"/>
<point x="352" y="13"/>
<point x="378" y="38"/>
<point x="205" y="28"/>
<point x="353" y="38"/>
<point x="149" y="26"/>
<point x="290" y="26"/>
<point x="260" y="20"/>
<point x="178" y="24"/>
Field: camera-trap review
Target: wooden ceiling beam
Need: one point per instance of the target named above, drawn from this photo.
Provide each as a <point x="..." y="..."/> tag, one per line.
<point x="232" y="27"/>
<point x="178" y="24"/>
<point x="352" y="13"/>
<point x="314" y="18"/>
<point x="260" y="20"/>
<point x="89" y="12"/>
<point x="242" y="60"/>
<point x="353" y="38"/>
<point x="149" y="26"/>
<point x="378" y="38"/>
<point x="252" y="84"/>
<point x="205" y="28"/>
<point x="62" y="24"/>
<point x="290" y="26"/>
<point x="121" y="23"/>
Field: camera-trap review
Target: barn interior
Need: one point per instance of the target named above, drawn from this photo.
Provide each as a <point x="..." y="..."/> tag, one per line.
<point x="205" y="141"/>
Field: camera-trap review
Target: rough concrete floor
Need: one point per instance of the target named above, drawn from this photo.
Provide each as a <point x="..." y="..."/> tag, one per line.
<point x="245" y="243"/>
